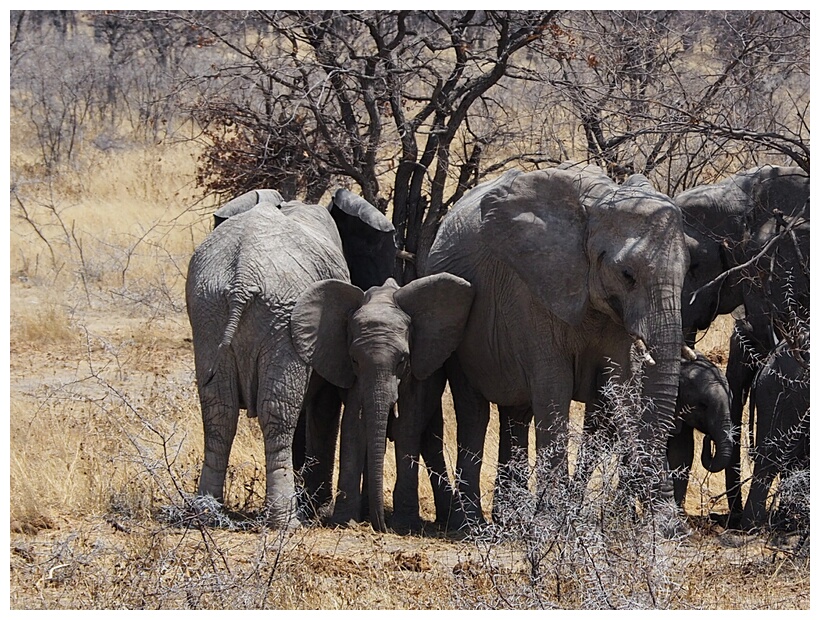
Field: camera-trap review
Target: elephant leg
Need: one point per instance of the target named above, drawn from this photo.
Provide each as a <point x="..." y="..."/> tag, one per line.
<point x="512" y="476"/>
<point x="754" y="511"/>
<point x="680" y="450"/>
<point x="352" y="460"/>
<point x="219" y="421"/>
<point x="419" y="406"/>
<point x="432" y="451"/>
<point x="739" y="376"/>
<point x="472" y="419"/>
<point x="283" y="379"/>
<point x="596" y="432"/>
<point x="551" y="413"/>
<point x="322" y="409"/>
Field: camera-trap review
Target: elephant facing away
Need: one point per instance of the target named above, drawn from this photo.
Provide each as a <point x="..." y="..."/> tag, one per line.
<point x="779" y="415"/>
<point x="570" y="270"/>
<point x="369" y="342"/>
<point x="749" y="236"/>
<point x="243" y="282"/>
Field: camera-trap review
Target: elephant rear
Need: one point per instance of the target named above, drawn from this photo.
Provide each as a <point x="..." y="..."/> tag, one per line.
<point x="243" y="281"/>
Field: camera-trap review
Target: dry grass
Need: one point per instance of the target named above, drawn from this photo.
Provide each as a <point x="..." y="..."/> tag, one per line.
<point x="105" y="434"/>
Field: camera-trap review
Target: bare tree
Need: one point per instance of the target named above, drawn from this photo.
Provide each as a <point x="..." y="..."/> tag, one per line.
<point x="391" y="100"/>
<point x="687" y="96"/>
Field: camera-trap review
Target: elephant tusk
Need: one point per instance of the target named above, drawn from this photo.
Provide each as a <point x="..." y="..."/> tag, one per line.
<point x="405" y="255"/>
<point x="688" y="353"/>
<point x="640" y="348"/>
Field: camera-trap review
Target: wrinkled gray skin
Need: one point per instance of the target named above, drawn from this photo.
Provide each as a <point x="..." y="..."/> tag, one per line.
<point x="569" y="269"/>
<point x="728" y="224"/>
<point x="703" y="404"/>
<point x="243" y="282"/>
<point x="779" y="414"/>
<point x="368" y="343"/>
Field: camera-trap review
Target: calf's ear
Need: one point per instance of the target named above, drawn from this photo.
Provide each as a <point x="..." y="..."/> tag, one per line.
<point x="318" y="328"/>
<point x="438" y="306"/>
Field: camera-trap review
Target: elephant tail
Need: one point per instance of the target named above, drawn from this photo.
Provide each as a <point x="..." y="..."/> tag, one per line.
<point x="237" y="302"/>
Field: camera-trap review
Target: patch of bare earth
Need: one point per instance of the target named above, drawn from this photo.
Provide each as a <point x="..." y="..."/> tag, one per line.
<point x="105" y="435"/>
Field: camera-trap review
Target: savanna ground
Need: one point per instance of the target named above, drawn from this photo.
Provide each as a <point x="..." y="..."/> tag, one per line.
<point x="105" y="442"/>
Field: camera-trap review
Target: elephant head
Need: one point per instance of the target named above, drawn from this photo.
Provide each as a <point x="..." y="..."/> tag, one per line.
<point x="727" y="224"/>
<point x="585" y="246"/>
<point x="703" y="404"/>
<point x="368" y="342"/>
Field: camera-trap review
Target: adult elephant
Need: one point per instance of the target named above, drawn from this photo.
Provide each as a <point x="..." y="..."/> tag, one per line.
<point x="779" y="415"/>
<point x="570" y="271"/>
<point x="243" y="282"/>
<point x="369" y="342"/>
<point x="748" y="238"/>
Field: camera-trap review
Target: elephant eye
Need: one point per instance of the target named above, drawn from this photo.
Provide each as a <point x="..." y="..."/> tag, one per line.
<point x="628" y="277"/>
<point x="403" y="367"/>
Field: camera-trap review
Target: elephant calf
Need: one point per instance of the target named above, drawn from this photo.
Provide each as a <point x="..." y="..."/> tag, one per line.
<point x="368" y="342"/>
<point x="703" y="404"/>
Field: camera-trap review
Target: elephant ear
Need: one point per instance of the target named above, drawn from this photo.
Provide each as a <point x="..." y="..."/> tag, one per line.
<point x="535" y="223"/>
<point x="318" y="328"/>
<point x="368" y="239"/>
<point x="245" y="202"/>
<point x="438" y="307"/>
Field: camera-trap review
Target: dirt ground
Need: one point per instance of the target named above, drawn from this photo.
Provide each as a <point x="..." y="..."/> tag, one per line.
<point x="94" y="416"/>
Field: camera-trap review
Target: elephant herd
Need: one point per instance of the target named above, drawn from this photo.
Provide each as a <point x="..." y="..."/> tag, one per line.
<point x="539" y="289"/>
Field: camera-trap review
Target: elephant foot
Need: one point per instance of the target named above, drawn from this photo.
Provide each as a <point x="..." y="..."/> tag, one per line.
<point x="199" y="510"/>
<point x="348" y="509"/>
<point x="342" y="523"/>
<point x="276" y="520"/>
<point x="402" y="524"/>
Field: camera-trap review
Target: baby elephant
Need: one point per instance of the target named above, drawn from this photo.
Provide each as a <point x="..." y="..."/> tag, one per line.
<point x="703" y="404"/>
<point x="367" y="342"/>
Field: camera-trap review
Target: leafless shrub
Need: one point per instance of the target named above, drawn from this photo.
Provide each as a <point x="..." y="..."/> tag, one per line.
<point x="581" y="547"/>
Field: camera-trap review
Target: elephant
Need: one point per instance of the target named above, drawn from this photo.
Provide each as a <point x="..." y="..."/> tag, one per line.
<point x="728" y="224"/>
<point x="703" y="404"/>
<point x="779" y="415"/>
<point x="368" y="342"/>
<point x="748" y="238"/>
<point x="570" y="270"/>
<point x="243" y="282"/>
<point x="246" y="201"/>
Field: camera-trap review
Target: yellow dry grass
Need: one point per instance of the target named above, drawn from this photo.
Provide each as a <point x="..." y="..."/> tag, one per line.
<point x="105" y="429"/>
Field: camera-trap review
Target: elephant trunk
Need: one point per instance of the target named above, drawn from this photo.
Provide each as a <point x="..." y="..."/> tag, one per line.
<point x="377" y="407"/>
<point x="721" y="438"/>
<point x="664" y="336"/>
